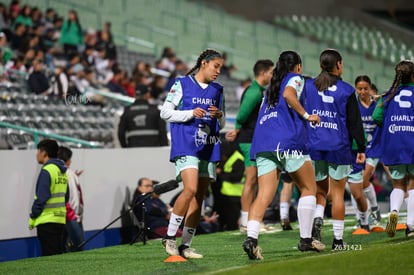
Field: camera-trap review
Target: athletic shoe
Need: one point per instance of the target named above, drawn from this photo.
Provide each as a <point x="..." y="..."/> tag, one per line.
<point x="317" y="228"/>
<point x="364" y="226"/>
<point x="391" y="227"/>
<point x="310" y="244"/>
<point x="377" y="215"/>
<point x="408" y="232"/>
<point x="243" y="229"/>
<point x="267" y="228"/>
<point x="189" y="253"/>
<point x="285" y="223"/>
<point x="170" y="246"/>
<point x="252" y="249"/>
<point x="338" y="245"/>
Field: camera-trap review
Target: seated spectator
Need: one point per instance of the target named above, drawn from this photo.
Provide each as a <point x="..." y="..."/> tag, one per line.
<point x="227" y="69"/>
<point x="18" y="37"/>
<point x="4" y="17"/>
<point x="104" y="40"/>
<point x="4" y="79"/>
<point x="60" y="80"/>
<point x="157" y="213"/>
<point x="83" y="81"/>
<point x="36" y="16"/>
<point x="49" y="17"/>
<point x="28" y="59"/>
<point x="24" y="17"/>
<point x="157" y="88"/>
<point x="114" y="85"/>
<point x="90" y="38"/>
<point x="128" y="84"/>
<point x="57" y="25"/>
<point x="104" y="67"/>
<point x="88" y="56"/>
<point x="49" y="46"/>
<point x="38" y="82"/>
<point x="14" y="9"/>
<point x="17" y="64"/>
<point x="167" y="61"/>
<point x="180" y="70"/>
<point x="7" y="52"/>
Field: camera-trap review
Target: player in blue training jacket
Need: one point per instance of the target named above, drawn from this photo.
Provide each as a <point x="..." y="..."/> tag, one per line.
<point x="329" y="142"/>
<point x="397" y="142"/>
<point x="195" y="109"/>
<point x="279" y="143"/>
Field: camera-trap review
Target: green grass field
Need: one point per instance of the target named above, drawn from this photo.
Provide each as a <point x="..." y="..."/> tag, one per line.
<point x="223" y="254"/>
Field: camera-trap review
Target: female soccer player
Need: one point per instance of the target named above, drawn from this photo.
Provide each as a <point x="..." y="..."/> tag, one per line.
<point x="363" y="87"/>
<point x="279" y="143"/>
<point x="329" y="142"/>
<point x="397" y="143"/>
<point x="195" y="109"/>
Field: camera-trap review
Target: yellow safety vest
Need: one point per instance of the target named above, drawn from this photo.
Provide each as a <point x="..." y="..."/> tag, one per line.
<point x="55" y="208"/>
<point x="231" y="188"/>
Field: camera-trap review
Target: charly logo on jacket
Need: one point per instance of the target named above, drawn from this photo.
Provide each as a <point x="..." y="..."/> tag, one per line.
<point x="401" y="102"/>
<point x="328" y="98"/>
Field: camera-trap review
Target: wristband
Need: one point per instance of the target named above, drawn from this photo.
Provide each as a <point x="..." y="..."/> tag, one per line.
<point x="305" y="116"/>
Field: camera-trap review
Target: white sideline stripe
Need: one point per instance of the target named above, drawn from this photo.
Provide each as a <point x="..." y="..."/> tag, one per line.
<point x="228" y="269"/>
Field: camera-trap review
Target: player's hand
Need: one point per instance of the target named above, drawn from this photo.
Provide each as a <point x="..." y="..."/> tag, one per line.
<point x="314" y="119"/>
<point x="215" y="112"/>
<point x="31" y="223"/>
<point x="78" y="172"/>
<point x="232" y="135"/>
<point x="360" y="159"/>
<point x="199" y="112"/>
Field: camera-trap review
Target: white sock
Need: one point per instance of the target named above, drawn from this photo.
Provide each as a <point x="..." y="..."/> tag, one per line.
<point x="338" y="229"/>
<point x="284" y="210"/>
<point x="371" y="195"/>
<point x="306" y="212"/>
<point x="174" y="224"/>
<point x="396" y="199"/>
<point x="319" y="211"/>
<point x="410" y="209"/>
<point x="363" y="217"/>
<point x="243" y="218"/>
<point x="253" y="229"/>
<point x="188" y="234"/>
<point x="354" y="205"/>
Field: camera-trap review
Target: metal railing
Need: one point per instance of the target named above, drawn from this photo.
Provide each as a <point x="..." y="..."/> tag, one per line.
<point x="38" y="133"/>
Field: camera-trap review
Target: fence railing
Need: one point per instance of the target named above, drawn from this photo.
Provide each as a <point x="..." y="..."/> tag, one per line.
<point x="38" y="133"/>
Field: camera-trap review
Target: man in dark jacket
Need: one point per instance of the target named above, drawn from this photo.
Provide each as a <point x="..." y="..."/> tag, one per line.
<point x="38" y="82"/>
<point x="140" y="125"/>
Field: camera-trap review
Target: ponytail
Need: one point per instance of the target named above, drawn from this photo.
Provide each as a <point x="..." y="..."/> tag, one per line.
<point x="404" y="71"/>
<point x="327" y="60"/>
<point x="285" y="64"/>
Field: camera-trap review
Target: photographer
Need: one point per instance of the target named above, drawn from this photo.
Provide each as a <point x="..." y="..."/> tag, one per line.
<point x="157" y="213"/>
